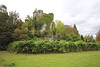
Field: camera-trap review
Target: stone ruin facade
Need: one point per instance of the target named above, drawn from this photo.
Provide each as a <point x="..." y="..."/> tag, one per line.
<point x="39" y="13"/>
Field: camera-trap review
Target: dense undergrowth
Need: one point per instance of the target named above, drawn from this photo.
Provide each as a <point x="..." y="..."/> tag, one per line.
<point x="32" y="46"/>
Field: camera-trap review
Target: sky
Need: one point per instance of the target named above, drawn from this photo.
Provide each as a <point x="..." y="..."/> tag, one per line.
<point x="84" y="13"/>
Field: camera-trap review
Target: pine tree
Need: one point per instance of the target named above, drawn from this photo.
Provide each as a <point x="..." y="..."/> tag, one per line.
<point x="75" y="26"/>
<point x="82" y="38"/>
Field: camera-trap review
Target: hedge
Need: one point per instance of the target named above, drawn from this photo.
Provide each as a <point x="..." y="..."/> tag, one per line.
<point x="32" y="46"/>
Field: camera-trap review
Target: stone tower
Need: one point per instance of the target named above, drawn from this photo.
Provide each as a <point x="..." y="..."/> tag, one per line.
<point x="38" y="13"/>
<point x="35" y="12"/>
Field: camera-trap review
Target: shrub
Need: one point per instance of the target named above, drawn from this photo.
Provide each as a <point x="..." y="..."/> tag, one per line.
<point x="32" y="46"/>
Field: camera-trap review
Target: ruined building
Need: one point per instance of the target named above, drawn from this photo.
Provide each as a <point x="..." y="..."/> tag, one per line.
<point x="38" y="13"/>
<point x="48" y="19"/>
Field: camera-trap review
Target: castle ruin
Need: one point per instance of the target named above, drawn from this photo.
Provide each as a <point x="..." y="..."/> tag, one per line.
<point x="38" y="14"/>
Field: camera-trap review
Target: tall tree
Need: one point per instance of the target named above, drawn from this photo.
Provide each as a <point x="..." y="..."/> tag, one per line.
<point x="3" y="13"/>
<point x="20" y="33"/>
<point x="98" y="36"/>
<point x="60" y="29"/>
<point x="71" y="30"/>
<point x="6" y="28"/>
<point x="75" y="26"/>
<point x="14" y="17"/>
<point x="72" y="34"/>
<point x="82" y="38"/>
<point x="88" y="38"/>
<point x="3" y="8"/>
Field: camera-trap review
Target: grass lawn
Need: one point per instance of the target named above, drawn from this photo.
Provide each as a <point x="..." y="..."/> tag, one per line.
<point x="74" y="59"/>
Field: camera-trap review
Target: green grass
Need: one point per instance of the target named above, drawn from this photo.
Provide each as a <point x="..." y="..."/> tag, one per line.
<point x="74" y="59"/>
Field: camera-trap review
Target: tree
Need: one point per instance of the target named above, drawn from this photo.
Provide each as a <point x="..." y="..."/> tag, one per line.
<point x="60" y="29"/>
<point x="3" y="13"/>
<point x="14" y="17"/>
<point x="39" y="21"/>
<point x="23" y="32"/>
<point x="82" y="38"/>
<point x="72" y="34"/>
<point x="98" y="36"/>
<point x="3" y="8"/>
<point x="88" y="38"/>
<point x="6" y="28"/>
<point x="20" y="33"/>
<point x="71" y="30"/>
<point x="32" y="26"/>
<point x="75" y="26"/>
<point x="46" y="21"/>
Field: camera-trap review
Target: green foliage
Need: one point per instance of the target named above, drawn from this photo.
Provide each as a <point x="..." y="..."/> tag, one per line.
<point x="3" y="17"/>
<point x="98" y="45"/>
<point x="6" y="28"/>
<point x="88" y="38"/>
<point x="71" y="30"/>
<point x="71" y="37"/>
<point x="93" y="40"/>
<point x="23" y="32"/>
<point x="59" y="30"/>
<point x="14" y="17"/>
<point x="32" y="46"/>
<point x="3" y="8"/>
<point x="32" y="22"/>
<point x="38" y="21"/>
<point x="46" y="19"/>
<point x="75" y="26"/>
<point x="13" y="29"/>
<point x="72" y="34"/>
<point x="82" y="38"/>
<point x="3" y="13"/>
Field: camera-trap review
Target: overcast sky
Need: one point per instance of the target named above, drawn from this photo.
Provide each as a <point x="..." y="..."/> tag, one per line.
<point x="84" y="13"/>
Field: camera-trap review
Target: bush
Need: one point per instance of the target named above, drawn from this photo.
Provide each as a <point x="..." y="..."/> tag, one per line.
<point x="32" y="46"/>
<point x="98" y="45"/>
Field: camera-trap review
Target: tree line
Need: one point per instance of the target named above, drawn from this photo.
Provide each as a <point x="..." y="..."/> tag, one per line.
<point x="12" y="28"/>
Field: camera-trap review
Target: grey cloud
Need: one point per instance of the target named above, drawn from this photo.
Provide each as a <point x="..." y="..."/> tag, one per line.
<point x="84" y="13"/>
